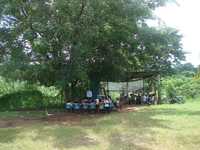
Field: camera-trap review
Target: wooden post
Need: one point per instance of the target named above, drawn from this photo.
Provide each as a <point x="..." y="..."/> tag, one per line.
<point x="143" y="87"/>
<point x="108" y="91"/>
<point x="127" y="88"/>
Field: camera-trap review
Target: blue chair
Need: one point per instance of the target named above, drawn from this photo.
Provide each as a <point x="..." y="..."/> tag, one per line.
<point x="92" y="106"/>
<point x="76" y="106"/>
<point x="112" y="105"/>
<point x="69" y="106"/>
<point x="85" y="106"/>
<point x="108" y="107"/>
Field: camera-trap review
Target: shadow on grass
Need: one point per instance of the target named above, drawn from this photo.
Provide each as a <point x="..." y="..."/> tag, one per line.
<point x="8" y="135"/>
<point x="59" y="136"/>
<point x="66" y="137"/>
<point x="142" y="120"/>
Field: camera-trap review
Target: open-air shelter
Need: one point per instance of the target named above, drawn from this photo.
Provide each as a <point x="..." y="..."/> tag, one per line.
<point x="134" y="81"/>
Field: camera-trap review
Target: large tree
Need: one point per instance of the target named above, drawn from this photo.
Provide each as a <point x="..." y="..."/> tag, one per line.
<point x="67" y="42"/>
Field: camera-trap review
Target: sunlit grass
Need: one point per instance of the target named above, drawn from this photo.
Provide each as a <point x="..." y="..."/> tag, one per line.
<point x="165" y="127"/>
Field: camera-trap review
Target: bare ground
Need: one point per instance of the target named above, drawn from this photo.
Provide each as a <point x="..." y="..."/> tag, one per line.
<point x="64" y="118"/>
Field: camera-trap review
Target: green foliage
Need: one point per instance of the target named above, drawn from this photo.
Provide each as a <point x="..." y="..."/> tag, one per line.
<point x="22" y="95"/>
<point x="180" y="87"/>
<point x="64" y="43"/>
<point x="114" y="95"/>
<point x="186" y="69"/>
<point x="22" y="100"/>
<point x="8" y="86"/>
<point x="197" y="75"/>
<point x="160" y="48"/>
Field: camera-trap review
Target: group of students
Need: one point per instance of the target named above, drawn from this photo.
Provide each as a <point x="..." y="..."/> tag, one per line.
<point x="140" y="98"/>
<point x="104" y="104"/>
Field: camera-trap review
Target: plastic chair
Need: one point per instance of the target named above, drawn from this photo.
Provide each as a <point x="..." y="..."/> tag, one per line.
<point x="76" y="107"/>
<point x="69" y="106"/>
<point x="109" y="107"/>
<point x="85" y="106"/>
<point x="92" y="107"/>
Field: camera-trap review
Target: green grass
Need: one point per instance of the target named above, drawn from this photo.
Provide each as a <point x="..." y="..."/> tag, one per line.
<point x="165" y="127"/>
<point x="21" y="114"/>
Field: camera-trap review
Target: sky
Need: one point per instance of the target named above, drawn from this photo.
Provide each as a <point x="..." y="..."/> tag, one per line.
<point x="184" y="16"/>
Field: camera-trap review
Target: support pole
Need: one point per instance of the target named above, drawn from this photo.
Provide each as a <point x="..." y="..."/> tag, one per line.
<point x="127" y="88"/>
<point x="108" y="91"/>
<point x="143" y="87"/>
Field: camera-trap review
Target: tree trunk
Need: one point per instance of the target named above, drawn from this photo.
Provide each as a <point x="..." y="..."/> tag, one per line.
<point x="66" y="93"/>
<point x="159" y="88"/>
<point x="95" y="85"/>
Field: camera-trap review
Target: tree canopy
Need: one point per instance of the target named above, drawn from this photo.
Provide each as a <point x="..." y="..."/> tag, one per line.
<point x="68" y="42"/>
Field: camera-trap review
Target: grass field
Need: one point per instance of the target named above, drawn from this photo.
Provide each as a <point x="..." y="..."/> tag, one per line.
<point x="166" y="127"/>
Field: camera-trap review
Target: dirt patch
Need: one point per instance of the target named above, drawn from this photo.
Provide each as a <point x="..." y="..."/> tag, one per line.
<point x="72" y="118"/>
<point x="129" y="108"/>
<point x="11" y="123"/>
<point x="64" y="118"/>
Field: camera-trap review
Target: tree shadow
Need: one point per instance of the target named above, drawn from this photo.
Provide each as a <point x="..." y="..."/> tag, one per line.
<point x="66" y="137"/>
<point x="61" y="137"/>
<point x="8" y="135"/>
<point x="141" y="120"/>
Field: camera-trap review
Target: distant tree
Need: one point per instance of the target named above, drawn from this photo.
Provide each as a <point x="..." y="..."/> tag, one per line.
<point x="185" y="67"/>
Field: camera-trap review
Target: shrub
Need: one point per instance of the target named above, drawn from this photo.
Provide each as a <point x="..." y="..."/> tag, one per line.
<point x="178" y="88"/>
<point x="22" y="95"/>
<point x="22" y="100"/>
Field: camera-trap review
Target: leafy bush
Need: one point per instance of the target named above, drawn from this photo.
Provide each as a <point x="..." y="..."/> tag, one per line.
<point x="178" y="88"/>
<point x="22" y="100"/>
<point x="8" y="86"/>
<point x="22" y="95"/>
